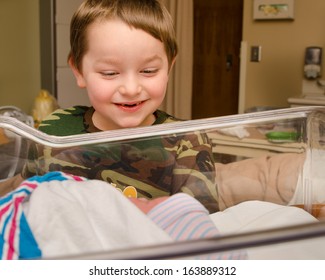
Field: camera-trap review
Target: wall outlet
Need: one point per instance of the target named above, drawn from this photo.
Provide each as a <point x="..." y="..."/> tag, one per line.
<point x="256" y="53"/>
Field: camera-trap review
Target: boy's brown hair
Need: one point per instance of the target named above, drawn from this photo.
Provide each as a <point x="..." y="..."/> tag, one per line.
<point x="148" y="15"/>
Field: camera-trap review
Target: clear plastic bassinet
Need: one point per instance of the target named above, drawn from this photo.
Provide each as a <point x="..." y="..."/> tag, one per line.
<point x="272" y="156"/>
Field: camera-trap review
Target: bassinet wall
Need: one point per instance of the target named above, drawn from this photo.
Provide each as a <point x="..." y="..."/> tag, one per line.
<point x="12" y="146"/>
<point x="259" y="146"/>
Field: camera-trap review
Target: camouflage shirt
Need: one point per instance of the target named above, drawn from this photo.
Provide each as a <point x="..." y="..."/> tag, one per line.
<point x="150" y="167"/>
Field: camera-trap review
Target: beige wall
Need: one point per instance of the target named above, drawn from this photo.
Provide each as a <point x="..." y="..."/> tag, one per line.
<point x="269" y="82"/>
<point x="279" y="74"/>
<point x="19" y="53"/>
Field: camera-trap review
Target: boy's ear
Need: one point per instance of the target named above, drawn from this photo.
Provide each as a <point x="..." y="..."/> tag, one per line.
<point x="172" y="65"/>
<point x="78" y="75"/>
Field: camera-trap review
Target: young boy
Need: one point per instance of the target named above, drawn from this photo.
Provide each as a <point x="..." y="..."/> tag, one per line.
<point x="122" y="52"/>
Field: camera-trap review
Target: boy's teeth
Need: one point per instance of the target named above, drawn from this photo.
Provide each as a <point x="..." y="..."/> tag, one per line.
<point x="130" y="105"/>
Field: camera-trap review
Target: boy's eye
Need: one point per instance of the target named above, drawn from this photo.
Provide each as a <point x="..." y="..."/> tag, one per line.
<point x="149" y="71"/>
<point x="109" y="74"/>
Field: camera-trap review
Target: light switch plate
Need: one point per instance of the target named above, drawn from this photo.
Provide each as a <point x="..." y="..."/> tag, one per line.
<point x="256" y="53"/>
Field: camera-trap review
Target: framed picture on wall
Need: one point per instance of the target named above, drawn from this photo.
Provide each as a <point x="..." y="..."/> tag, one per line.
<point x="273" y="10"/>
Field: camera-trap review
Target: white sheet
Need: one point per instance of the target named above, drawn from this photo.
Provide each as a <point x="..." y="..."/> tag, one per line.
<point x="260" y="215"/>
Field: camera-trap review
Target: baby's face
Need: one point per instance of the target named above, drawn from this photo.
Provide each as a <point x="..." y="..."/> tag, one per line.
<point x="125" y="71"/>
<point x="145" y="205"/>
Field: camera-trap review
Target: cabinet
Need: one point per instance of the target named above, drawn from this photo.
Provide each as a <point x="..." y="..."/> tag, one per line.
<point x="299" y="101"/>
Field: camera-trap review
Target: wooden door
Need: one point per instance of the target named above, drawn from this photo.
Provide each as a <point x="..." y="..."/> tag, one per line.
<point x="217" y="38"/>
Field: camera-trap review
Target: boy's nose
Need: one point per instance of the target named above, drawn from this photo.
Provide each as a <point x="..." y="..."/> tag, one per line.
<point x="131" y="86"/>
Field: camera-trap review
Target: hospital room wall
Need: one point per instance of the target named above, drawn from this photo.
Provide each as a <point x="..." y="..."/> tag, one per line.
<point x="279" y="74"/>
<point x="269" y="82"/>
<point x="19" y="53"/>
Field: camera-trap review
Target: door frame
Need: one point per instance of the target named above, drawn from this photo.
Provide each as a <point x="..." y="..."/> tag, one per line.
<point x="242" y="76"/>
<point x="47" y="45"/>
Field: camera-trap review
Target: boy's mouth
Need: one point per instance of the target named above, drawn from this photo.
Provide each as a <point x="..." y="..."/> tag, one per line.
<point x="130" y="106"/>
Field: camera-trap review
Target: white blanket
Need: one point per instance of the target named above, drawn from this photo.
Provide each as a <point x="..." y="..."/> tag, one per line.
<point x="87" y="216"/>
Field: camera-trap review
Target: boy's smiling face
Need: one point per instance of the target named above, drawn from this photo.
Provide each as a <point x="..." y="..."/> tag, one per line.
<point x="125" y="71"/>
